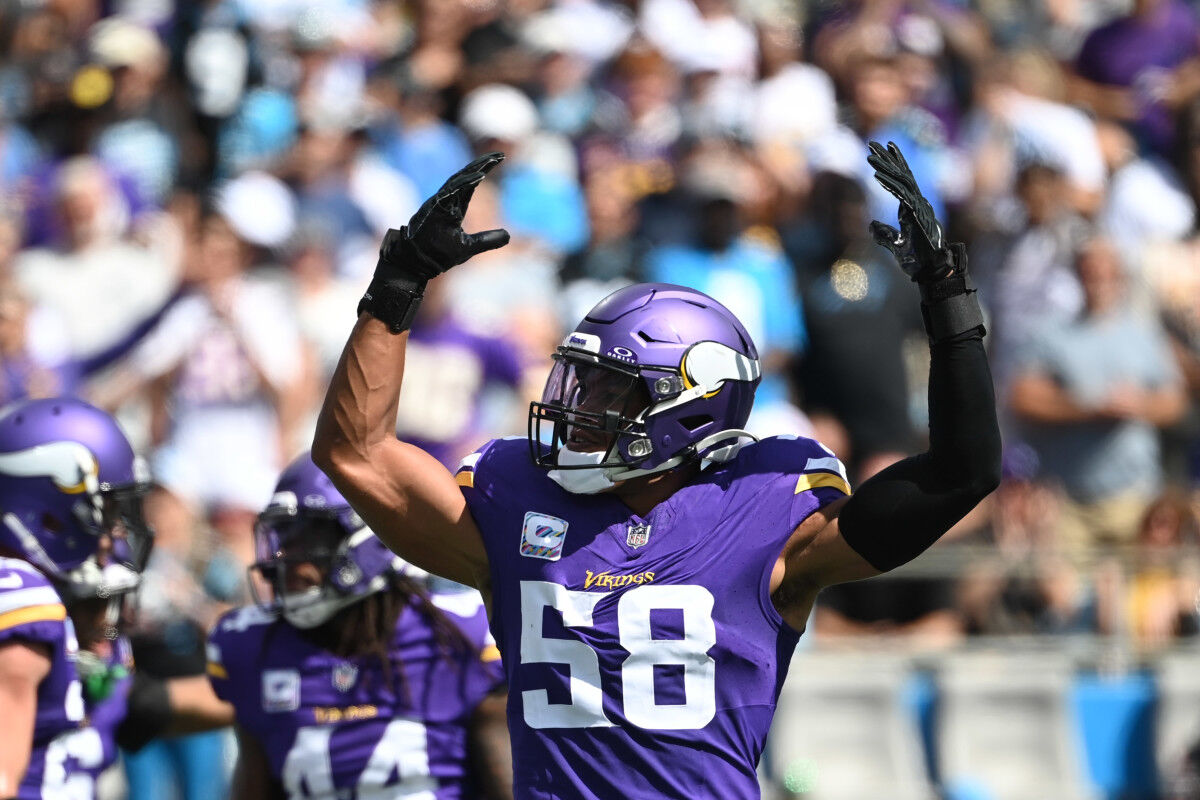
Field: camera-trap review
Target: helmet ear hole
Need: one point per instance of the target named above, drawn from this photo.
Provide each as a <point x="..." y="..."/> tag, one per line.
<point x="51" y="523"/>
<point x="695" y="421"/>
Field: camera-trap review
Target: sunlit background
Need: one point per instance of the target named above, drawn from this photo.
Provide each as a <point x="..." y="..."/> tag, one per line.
<point x="193" y="194"/>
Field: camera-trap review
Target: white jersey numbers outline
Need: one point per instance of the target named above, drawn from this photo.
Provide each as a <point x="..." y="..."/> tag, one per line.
<point x="637" y="670"/>
<point x="402" y="750"/>
<point x="586" y="709"/>
<point x="646" y="652"/>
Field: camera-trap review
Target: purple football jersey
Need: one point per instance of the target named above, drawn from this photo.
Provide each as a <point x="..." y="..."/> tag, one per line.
<point x="104" y="716"/>
<point x="447" y="368"/>
<point x="32" y="611"/>
<point x="644" y="655"/>
<point x="334" y="727"/>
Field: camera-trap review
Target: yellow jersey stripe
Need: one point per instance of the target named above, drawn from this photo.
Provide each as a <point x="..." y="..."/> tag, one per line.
<point x="465" y="478"/>
<point x="50" y="612"/>
<point x="217" y="670"/>
<point x="817" y="480"/>
<point x="489" y="653"/>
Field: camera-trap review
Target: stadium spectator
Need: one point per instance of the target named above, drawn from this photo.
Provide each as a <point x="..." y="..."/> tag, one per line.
<point x="1033" y="282"/>
<point x="97" y="281"/>
<point x="857" y="310"/>
<point x="227" y="364"/>
<point x="458" y="379"/>
<point x="741" y="269"/>
<point x="1161" y="591"/>
<point x="1092" y="391"/>
<point x="1142" y="66"/>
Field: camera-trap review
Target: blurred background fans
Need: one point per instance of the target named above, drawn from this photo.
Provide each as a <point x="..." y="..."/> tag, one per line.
<point x="192" y="194"/>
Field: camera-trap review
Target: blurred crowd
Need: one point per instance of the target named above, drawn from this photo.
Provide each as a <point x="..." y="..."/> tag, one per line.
<point x="192" y="194"/>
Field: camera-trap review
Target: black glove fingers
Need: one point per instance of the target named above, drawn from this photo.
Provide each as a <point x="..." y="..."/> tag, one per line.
<point x="485" y="240"/>
<point x="884" y="235"/>
<point x="485" y="163"/>
<point x="877" y="153"/>
<point x="901" y="161"/>
<point x="895" y="187"/>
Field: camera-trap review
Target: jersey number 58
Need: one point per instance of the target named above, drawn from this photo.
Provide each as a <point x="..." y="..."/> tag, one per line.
<point x="586" y="709"/>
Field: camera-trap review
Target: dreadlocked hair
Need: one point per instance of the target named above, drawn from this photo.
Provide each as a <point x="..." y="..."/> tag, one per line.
<point x="366" y="629"/>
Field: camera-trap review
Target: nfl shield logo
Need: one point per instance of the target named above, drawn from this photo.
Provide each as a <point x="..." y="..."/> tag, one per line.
<point x="637" y="536"/>
<point x="344" y="676"/>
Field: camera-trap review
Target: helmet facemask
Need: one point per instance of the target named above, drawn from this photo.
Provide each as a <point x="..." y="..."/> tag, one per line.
<point x="592" y="414"/>
<point x="309" y="563"/>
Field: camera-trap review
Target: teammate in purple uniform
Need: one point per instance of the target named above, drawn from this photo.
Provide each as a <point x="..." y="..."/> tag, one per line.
<point x="350" y="680"/>
<point x="72" y="537"/>
<point x="650" y="569"/>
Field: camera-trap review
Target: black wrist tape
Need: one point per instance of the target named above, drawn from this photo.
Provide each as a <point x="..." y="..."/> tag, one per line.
<point x="949" y="306"/>
<point x="949" y="316"/>
<point x="393" y="301"/>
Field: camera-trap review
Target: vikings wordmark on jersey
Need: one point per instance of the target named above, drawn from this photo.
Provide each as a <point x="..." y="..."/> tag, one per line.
<point x="647" y="654"/>
<point x="333" y="727"/>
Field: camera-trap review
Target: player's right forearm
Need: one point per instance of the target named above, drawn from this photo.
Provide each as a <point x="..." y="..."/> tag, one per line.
<point x="359" y="412"/>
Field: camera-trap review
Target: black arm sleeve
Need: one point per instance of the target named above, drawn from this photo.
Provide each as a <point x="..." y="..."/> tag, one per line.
<point x="897" y="514"/>
<point x="148" y="712"/>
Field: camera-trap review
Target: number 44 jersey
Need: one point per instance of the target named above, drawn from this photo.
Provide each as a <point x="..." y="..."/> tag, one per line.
<point x="643" y="654"/>
<point x="338" y="728"/>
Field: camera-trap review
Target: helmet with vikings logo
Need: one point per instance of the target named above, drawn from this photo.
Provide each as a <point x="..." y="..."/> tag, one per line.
<point x="654" y="376"/>
<point x="315" y="552"/>
<point x="69" y="484"/>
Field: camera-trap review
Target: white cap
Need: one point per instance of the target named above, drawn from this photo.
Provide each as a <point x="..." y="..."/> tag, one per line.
<point x="118" y="42"/>
<point x="498" y="111"/>
<point x="259" y="208"/>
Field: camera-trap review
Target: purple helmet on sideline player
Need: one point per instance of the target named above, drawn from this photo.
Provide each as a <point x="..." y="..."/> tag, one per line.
<point x="309" y="522"/>
<point x="68" y="476"/>
<point x="654" y="376"/>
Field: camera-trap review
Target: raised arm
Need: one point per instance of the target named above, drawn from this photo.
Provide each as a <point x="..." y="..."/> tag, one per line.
<point x="894" y="516"/>
<point x="405" y="495"/>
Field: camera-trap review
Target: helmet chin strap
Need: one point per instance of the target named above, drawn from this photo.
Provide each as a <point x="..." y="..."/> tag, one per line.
<point x="33" y="550"/>
<point x="318" y="605"/>
<point x="606" y="475"/>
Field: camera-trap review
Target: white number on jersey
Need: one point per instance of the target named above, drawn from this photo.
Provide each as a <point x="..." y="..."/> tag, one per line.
<point x="637" y="671"/>
<point x="87" y="749"/>
<point x="586" y="707"/>
<point x="402" y="750"/>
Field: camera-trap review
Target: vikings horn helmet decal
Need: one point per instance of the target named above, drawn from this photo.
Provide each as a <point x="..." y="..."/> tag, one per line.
<point x="69" y="478"/>
<point x="655" y="375"/>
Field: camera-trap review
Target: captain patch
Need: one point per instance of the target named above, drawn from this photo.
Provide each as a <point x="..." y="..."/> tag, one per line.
<point x="542" y="536"/>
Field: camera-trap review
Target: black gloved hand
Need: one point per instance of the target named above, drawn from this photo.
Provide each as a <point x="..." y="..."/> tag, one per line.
<point x="949" y="305"/>
<point x="432" y="242"/>
<point x="919" y="245"/>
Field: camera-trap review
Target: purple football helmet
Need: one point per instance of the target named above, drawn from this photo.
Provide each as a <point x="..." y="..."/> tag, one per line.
<point x="654" y="376"/>
<point x="68" y="479"/>
<point x="309" y="522"/>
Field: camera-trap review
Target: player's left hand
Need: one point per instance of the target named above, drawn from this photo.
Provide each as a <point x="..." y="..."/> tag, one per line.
<point x="919" y="245"/>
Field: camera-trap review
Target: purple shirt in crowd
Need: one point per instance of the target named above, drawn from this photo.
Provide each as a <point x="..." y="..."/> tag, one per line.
<point x="334" y="727"/>
<point x="447" y="369"/>
<point x="644" y="655"/>
<point x="1140" y="54"/>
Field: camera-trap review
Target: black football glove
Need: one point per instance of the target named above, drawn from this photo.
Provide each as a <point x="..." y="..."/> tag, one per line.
<point x="432" y="242"/>
<point x="949" y="305"/>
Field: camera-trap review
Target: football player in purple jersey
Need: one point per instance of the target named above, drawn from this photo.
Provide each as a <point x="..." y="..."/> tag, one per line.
<point x="649" y="567"/>
<point x="72" y="541"/>
<point x="347" y="678"/>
